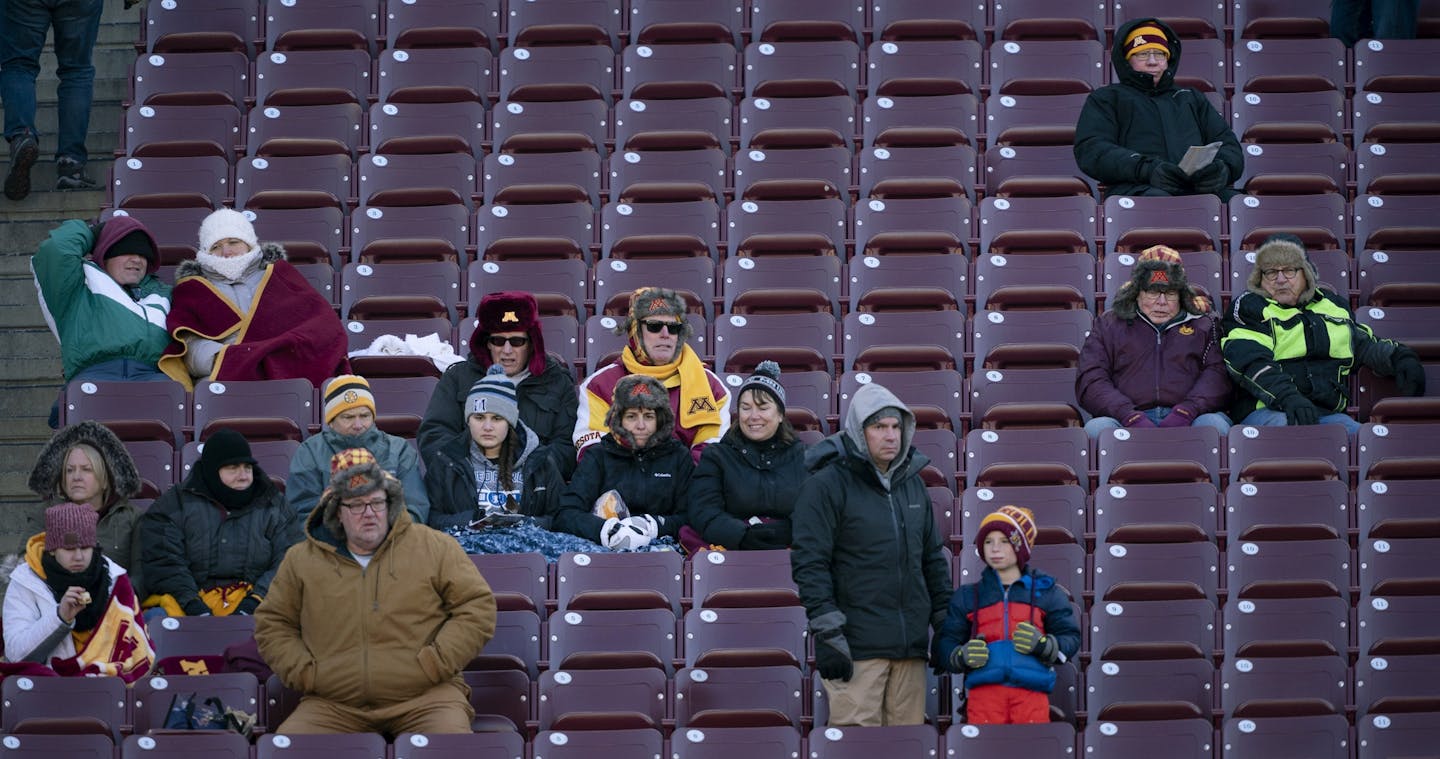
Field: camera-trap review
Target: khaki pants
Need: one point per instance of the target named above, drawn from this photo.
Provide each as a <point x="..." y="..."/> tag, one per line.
<point x="881" y="692"/>
<point x="444" y="708"/>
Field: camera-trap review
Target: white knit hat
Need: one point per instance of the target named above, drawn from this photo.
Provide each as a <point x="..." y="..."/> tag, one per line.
<point x="225" y="224"/>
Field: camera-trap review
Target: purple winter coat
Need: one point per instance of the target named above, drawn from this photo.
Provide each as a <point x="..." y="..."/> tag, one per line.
<point x="1130" y="365"/>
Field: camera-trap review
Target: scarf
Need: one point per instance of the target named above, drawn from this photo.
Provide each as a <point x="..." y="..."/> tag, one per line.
<point x="209" y="483"/>
<point x="95" y="579"/>
<point x="228" y="269"/>
<point x="698" y="404"/>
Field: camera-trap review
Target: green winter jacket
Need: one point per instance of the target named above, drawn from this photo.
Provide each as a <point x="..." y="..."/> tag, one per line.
<point x="93" y="317"/>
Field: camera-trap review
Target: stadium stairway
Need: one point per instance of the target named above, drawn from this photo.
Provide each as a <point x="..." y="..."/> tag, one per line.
<point x="29" y="355"/>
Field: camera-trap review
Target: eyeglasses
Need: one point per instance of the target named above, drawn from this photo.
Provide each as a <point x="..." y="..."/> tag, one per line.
<point x="1151" y="55"/>
<point x="515" y="341"/>
<point x="1159" y="294"/>
<point x="377" y="505"/>
<point x="655" y="327"/>
<point x="1271" y="275"/>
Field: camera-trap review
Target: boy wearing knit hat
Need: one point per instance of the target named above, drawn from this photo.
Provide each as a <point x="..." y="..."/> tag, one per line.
<point x="508" y="334"/>
<point x="372" y="617"/>
<point x="348" y="408"/>
<point x="1153" y="359"/>
<point x="71" y="608"/>
<point x="1132" y="135"/>
<point x="656" y="347"/>
<point x="101" y="298"/>
<point x="1007" y="631"/>
<point x="1291" y="343"/>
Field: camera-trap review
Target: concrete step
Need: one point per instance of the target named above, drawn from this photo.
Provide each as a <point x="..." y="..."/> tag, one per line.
<point x="27" y="408"/>
<point x="47" y="204"/>
<point x="33" y="353"/>
<point x="18" y="240"/>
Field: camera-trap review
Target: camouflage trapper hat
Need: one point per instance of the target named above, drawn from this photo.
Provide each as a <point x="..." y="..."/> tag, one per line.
<point x="646" y="302"/>
<point x="640" y="391"/>
<point x="1158" y="267"/>
<point x="354" y="472"/>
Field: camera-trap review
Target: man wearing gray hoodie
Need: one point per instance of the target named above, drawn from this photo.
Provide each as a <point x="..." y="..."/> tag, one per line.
<point x="868" y="562"/>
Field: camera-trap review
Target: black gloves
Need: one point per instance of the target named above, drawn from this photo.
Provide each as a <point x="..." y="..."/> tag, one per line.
<point x="973" y="655"/>
<point x="766" y="536"/>
<point x="1029" y="640"/>
<point x="248" y="604"/>
<point x="1299" y="410"/>
<point x="1409" y="372"/>
<point x="1168" y="178"/>
<point x="1211" y="179"/>
<point x="196" y="608"/>
<point x="832" y="656"/>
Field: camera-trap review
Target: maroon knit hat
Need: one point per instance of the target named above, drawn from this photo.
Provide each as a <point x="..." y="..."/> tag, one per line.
<point x="70" y="525"/>
<point x="509" y="311"/>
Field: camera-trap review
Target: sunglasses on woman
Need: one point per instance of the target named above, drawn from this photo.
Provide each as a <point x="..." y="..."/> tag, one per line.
<point x="515" y="341"/>
<point x="655" y="327"/>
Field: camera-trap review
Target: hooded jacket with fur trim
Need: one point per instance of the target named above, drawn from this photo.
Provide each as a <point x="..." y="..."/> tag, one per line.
<point x="867" y="557"/>
<point x="1127" y="127"/>
<point x="116" y="532"/>
<point x="376" y="635"/>
<point x="94" y="318"/>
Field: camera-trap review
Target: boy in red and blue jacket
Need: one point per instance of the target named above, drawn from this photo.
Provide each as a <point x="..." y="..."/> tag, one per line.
<point x="1008" y="631"/>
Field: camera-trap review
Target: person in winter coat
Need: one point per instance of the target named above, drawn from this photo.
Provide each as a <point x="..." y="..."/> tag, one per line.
<point x="1153" y="359"/>
<point x="1132" y="135"/>
<point x="745" y="486"/>
<point x="72" y="609"/>
<point x="641" y="462"/>
<point x="242" y="312"/>
<point x="211" y="544"/>
<point x="1007" y="631"/>
<point x="507" y="334"/>
<point x="372" y="617"/>
<point x="349" y="409"/>
<point x="657" y="331"/>
<point x="101" y="299"/>
<point x="1290" y="344"/>
<point x="869" y="563"/>
<point x="496" y="469"/>
<point x="86" y="463"/>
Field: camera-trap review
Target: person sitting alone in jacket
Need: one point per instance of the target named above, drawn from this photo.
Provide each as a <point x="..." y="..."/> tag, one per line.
<point x="212" y="543"/>
<point x="1007" y="631"/>
<point x="640" y="464"/>
<point x="71" y="608"/>
<point x="1132" y="135"/>
<point x="349" y="409"/>
<point x="496" y="470"/>
<point x="745" y="486"/>
<point x="372" y="617"/>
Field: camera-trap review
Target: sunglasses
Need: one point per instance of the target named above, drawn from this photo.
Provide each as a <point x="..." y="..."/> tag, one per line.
<point x="516" y="341"/>
<point x="654" y="328"/>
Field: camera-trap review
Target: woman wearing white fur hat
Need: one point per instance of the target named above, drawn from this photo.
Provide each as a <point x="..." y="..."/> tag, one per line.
<point x="240" y="311"/>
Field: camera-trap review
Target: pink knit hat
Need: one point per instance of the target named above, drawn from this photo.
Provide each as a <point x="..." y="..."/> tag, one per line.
<point x="70" y="525"/>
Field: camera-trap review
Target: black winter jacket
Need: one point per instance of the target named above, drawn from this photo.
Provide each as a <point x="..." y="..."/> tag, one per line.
<point x="652" y="480"/>
<point x="450" y="482"/>
<point x="867" y="559"/>
<point x="1126" y="128"/>
<point x="737" y="479"/>
<point x="190" y="543"/>
<point x="547" y="402"/>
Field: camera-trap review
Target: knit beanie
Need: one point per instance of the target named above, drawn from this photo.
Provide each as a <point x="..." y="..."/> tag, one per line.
<point x="221" y="449"/>
<point x="1146" y="37"/>
<point x="509" y="311"/>
<point x="1017" y="524"/>
<point x="225" y="224"/>
<point x="888" y="412"/>
<point x="646" y="302"/>
<point x="345" y="392"/>
<point x="767" y="379"/>
<point x="494" y="393"/>
<point x="70" y="525"/>
<point x="640" y="391"/>
<point x="1284" y="251"/>
<point x="138" y="243"/>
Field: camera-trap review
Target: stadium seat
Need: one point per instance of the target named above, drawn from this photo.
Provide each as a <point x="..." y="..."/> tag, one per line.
<point x="193" y="182"/>
<point x="427" y="128"/>
<point x="1028" y="281"/>
<point x="178" y="745"/>
<point x="765" y="285"/>
<point x="1181" y="454"/>
<point x="416" y="290"/>
<point x="1059" y="510"/>
<point x="1144" y="630"/>
<point x="188" y="26"/>
<point x="1180" y="737"/>
<point x="1171" y="689"/>
<point x="613" y="698"/>
<point x="545" y="230"/>
<point x="1146" y="571"/>
<point x="331" y="746"/>
<point x="1026" y="457"/>
<point x="799" y="342"/>
<point x="613" y="639"/>
<point x="590" y="581"/>
<point x="1053" y="740"/>
<point x="597" y="744"/>
<point x="1285" y="510"/>
<point x="557" y="73"/>
<point x="408" y="180"/>
<point x="215" y="78"/>
<point x="666" y="72"/>
<point x="912" y="226"/>
<point x="399" y="234"/>
<point x="558" y="177"/>
<point x="434" y="75"/>
<point x="153" y="696"/>
<point x="1173" y="510"/>
<point x="732" y="579"/>
<point x="411" y="25"/>
<point x="745" y="637"/>
<point x="275" y="409"/>
<point x="1279" y="687"/>
<point x="660" y="21"/>
<point x="691" y="123"/>
<point x="437" y="746"/>
<point x="682" y="227"/>
<point x="557" y="22"/>
<point x="181" y="130"/>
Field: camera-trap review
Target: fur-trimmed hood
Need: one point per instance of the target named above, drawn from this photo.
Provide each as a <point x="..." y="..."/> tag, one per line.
<point x="124" y="478"/>
<point x="270" y="252"/>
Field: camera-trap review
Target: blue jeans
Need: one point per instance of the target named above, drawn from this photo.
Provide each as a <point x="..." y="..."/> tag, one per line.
<point x="1097" y="426"/>
<point x="22" y="35"/>
<point x="1352" y="20"/>
<point x="1264" y="417"/>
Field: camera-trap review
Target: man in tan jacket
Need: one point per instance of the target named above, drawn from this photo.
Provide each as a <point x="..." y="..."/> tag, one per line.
<point x="372" y="616"/>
